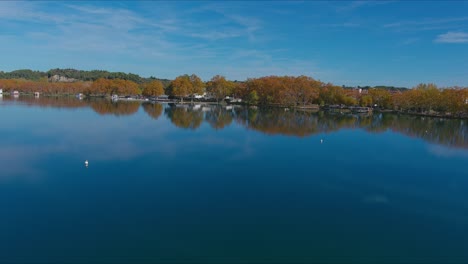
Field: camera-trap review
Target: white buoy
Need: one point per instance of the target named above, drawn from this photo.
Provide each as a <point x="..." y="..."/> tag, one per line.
<point x="321" y="141"/>
<point x="86" y="163"/>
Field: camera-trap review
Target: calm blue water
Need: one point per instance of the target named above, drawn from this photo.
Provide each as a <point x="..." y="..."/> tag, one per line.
<point x="167" y="184"/>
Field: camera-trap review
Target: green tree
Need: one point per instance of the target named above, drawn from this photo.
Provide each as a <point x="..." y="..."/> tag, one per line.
<point x="252" y="98"/>
<point x="365" y="100"/>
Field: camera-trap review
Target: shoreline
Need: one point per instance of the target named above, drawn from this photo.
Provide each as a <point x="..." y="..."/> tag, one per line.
<point x="312" y="108"/>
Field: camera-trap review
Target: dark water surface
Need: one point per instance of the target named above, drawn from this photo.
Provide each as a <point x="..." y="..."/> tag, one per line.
<point x="206" y="184"/>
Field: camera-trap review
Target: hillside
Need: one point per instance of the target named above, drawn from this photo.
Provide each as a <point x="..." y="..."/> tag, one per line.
<point x="76" y="75"/>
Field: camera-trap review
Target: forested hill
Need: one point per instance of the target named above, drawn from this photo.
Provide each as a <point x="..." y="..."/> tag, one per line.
<point x="79" y="75"/>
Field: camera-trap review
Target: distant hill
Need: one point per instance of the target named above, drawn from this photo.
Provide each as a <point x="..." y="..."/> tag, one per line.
<point x="23" y="74"/>
<point x="58" y="75"/>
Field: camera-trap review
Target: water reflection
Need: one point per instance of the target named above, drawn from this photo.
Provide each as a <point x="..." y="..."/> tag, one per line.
<point x="272" y="121"/>
<point x="119" y="108"/>
<point x="153" y="110"/>
<point x="185" y="116"/>
<point x="46" y="102"/>
<point x="153" y="186"/>
<point x="450" y="132"/>
<point x="219" y="117"/>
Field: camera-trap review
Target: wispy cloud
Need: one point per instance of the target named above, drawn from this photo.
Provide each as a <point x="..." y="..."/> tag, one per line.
<point x="452" y="37"/>
<point x="26" y="11"/>
<point x="168" y="39"/>
<point x="426" y="24"/>
<point x="353" y="5"/>
<point x="231" y="24"/>
<point x="108" y="27"/>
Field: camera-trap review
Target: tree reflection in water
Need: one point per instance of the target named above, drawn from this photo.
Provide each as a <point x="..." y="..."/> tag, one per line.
<point x="219" y="117"/>
<point x="185" y="116"/>
<point x="47" y="101"/>
<point x="153" y="110"/>
<point x="450" y="132"/>
<point x="119" y="108"/>
<point x="273" y="121"/>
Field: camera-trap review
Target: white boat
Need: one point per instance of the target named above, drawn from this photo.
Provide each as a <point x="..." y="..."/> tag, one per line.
<point x="115" y="97"/>
<point x="1" y="91"/>
<point x="80" y="96"/>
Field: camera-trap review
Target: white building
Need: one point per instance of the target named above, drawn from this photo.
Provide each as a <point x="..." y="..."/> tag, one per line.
<point x="1" y="91"/>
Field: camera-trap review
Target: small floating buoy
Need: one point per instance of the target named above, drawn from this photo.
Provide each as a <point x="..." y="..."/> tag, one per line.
<point x="321" y="141"/>
<point x="86" y="163"/>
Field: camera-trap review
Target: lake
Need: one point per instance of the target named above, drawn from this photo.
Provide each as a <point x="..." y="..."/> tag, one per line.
<point x="216" y="184"/>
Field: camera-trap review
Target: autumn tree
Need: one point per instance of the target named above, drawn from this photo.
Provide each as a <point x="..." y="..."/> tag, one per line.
<point x="153" y="88"/>
<point x="197" y="85"/>
<point x="219" y="87"/>
<point x="331" y="94"/>
<point x="101" y="87"/>
<point x="180" y="86"/>
<point x="381" y="97"/>
<point x="304" y="90"/>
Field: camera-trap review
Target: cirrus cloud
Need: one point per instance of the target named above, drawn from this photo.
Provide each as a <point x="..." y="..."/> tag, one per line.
<point x="452" y="37"/>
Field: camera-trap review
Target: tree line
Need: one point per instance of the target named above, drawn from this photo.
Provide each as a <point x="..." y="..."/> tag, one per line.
<point x="285" y="91"/>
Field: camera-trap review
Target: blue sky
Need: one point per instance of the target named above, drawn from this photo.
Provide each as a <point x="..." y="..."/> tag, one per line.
<point x="343" y="42"/>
